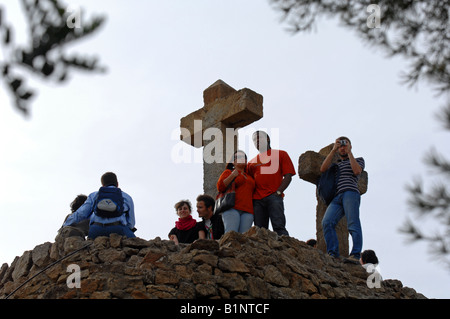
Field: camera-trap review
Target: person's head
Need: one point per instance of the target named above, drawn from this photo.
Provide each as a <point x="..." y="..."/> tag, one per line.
<point x="368" y="257"/>
<point x="312" y="242"/>
<point x="205" y="206"/>
<point x="183" y="208"/>
<point x="261" y="141"/>
<point x="109" y="179"/>
<point x="344" y="147"/>
<point x="238" y="161"/>
<point x="77" y="202"/>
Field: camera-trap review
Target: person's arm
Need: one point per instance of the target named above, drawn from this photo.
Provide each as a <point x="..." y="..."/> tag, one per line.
<point x="131" y="219"/>
<point x="201" y="234"/>
<point x="287" y="169"/>
<point x="227" y="181"/>
<point x="81" y="213"/>
<point x="285" y="182"/>
<point x="174" y="238"/>
<point x="327" y="162"/>
<point x="357" y="169"/>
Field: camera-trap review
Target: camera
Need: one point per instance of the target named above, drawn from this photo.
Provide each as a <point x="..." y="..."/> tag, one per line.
<point x="343" y="142"/>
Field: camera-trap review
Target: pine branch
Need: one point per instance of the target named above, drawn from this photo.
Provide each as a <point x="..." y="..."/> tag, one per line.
<point x="44" y="55"/>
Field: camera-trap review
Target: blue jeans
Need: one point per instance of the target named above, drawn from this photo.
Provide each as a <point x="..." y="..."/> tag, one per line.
<point x="97" y="230"/>
<point x="237" y="220"/>
<point x="346" y="203"/>
<point x="270" y="207"/>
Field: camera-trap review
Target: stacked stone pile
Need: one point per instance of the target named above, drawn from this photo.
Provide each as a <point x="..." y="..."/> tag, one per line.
<point x="257" y="264"/>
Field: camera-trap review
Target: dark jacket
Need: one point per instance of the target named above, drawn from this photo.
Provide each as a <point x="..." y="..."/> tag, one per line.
<point x="217" y="226"/>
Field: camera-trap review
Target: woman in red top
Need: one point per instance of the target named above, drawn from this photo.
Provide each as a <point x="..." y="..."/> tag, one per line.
<point x="240" y="217"/>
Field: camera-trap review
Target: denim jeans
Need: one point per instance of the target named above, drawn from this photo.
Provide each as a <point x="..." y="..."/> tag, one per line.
<point x="237" y="220"/>
<point x="344" y="204"/>
<point x="270" y="207"/>
<point x="98" y="230"/>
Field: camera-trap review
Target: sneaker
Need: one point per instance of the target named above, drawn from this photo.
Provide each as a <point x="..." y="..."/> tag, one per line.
<point x="335" y="257"/>
<point x="338" y="259"/>
<point x="352" y="259"/>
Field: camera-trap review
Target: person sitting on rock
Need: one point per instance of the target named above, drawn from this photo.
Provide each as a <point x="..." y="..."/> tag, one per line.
<point x="369" y="261"/>
<point x="368" y="257"/>
<point x="186" y="229"/>
<point x="213" y="223"/>
<point x="80" y="229"/>
<point x="312" y="242"/>
<point x="109" y="210"/>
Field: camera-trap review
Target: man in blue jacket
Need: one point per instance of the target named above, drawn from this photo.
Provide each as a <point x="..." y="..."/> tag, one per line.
<point x="109" y="210"/>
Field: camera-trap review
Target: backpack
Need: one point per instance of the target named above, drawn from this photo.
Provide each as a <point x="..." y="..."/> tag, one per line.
<point x="109" y="202"/>
<point x="327" y="184"/>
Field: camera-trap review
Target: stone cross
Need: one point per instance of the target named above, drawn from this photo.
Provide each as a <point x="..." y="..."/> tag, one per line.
<point x="309" y="170"/>
<point x="215" y="126"/>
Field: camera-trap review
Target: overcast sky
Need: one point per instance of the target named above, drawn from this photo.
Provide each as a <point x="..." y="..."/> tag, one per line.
<point x="160" y="56"/>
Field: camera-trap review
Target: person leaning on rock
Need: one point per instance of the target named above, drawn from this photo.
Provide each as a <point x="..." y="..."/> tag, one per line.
<point x="80" y="229"/>
<point x="186" y="229"/>
<point x="109" y="210"/>
<point x="213" y="223"/>
<point x="346" y="201"/>
<point x="369" y="261"/>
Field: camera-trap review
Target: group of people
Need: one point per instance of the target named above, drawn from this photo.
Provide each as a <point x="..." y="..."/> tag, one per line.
<point x="259" y="186"/>
<point x="259" y="197"/>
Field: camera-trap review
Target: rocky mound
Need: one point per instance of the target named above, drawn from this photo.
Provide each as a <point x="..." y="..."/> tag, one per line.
<point x="257" y="264"/>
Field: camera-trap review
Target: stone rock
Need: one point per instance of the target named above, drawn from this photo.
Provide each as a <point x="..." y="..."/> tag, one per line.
<point x="41" y="254"/>
<point x="258" y="265"/>
<point x="3" y="271"/>
<point x="111" y="255"/>
<point x="232" y="265"/>
<point x="273" y="275"/>
<point x="22" y="266"/>
<point x="205" y="244"/>
<point x="309" y="166"/>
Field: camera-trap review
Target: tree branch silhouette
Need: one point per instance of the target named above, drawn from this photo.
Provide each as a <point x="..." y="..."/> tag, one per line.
<point x="45" y="53"/>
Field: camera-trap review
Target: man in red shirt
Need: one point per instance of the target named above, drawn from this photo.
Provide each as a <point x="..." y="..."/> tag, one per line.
<point x="272" y="171"/>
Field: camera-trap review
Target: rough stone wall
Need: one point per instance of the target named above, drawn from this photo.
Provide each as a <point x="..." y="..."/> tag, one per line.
<point x="257" y="264"/>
